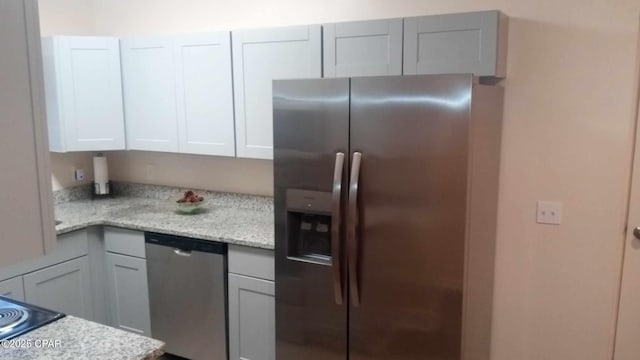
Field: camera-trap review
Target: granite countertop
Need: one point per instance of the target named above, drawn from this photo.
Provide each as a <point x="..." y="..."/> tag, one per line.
<point x="72" y="338"/>
<point x="231" y="218"/>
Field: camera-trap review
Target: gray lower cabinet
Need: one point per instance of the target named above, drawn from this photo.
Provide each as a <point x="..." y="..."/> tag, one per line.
<point x="12" y="288"/>
<point x="474" y="42"/>
<point x="251" y="318"/>
<point x="64" y="287"/>
<point x="128" y="294"/>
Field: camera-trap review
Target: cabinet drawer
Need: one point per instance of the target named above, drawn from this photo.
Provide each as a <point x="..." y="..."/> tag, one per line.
<point x="251" y="262"/>
<point x="126" y="242"/>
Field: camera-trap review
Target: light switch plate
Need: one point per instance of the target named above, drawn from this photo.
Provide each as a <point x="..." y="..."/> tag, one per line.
<point x="549" y="212"/>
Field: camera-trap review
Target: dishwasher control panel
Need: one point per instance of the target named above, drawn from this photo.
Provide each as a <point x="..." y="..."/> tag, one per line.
<point x="186" y="244"/>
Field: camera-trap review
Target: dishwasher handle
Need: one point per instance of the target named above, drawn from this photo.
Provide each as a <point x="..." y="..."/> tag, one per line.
<point x="183" y="246"/>
<point x="185" y="253"/>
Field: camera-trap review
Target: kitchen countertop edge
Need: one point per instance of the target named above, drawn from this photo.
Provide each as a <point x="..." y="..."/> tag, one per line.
<point x="61" y="230"/>
<point x="97" y="341"/>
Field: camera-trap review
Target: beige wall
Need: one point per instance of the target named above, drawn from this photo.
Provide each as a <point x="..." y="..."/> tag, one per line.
<point x="199" y="172"/>
<point x="68" y="17"/>
<point x="63" y="166"/>
<point x="567" y="136"/>
<point x="196" y="171"/>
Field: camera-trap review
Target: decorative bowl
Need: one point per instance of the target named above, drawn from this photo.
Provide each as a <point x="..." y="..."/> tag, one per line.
<point x="189" y="208"/>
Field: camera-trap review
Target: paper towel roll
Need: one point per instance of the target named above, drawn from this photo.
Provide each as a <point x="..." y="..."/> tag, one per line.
<point x="100" y="173"/>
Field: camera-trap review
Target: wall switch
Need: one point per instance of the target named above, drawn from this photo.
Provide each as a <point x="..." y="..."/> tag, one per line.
<point x="79" y="175"/>
<point x="549" y="212"/>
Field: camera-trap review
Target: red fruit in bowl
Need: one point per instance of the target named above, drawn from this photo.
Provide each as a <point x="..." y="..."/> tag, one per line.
<point x="190" y="197"/>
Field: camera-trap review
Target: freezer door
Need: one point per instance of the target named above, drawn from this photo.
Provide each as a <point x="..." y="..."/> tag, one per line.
<point x="406" y="216"/>
<point x="311" y="127"/>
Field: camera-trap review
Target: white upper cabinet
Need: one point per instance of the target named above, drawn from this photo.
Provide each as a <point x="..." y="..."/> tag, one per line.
<point x="363" y="48"/>
<point x="205" y="93"/>
<point x="473" y="42"/>
<point x="259" y="57"/>
<point x="83" y="93"/>
<point x="149" y="94"/>
<point x="26" y="215"/>
<point x="178" y="93"/>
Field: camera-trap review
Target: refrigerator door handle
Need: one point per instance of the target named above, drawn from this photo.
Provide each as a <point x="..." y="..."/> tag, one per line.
<point x="336" y="216"/>
<point x="352" y="228"/>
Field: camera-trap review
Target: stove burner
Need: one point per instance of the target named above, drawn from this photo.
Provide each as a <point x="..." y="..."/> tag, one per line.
<point x="12" y="317"/>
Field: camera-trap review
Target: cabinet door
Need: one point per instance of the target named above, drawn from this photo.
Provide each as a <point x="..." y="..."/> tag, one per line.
<point x="456" y="43"/>
<point x="26" y="214"/>
<point x="260" y="56"/>
<point x="251" y="319"/>
<point x="64" y="287"/>
<point x="205" y="94"/>
<point x="84" y="93"/>
<point x="149" y="94"/>
<point x="12" y="288"/>
<point x="363" y="48"/>
<point x="128" y="294"/>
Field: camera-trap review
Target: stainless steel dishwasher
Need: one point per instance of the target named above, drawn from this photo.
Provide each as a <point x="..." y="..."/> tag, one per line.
<point x="187" y="295"/>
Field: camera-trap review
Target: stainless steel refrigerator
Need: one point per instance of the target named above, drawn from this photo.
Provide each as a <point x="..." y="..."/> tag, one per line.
<point x="385" y="217"/>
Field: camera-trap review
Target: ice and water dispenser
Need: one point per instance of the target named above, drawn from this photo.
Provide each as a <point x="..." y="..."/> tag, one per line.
<point x="309" y="226"/>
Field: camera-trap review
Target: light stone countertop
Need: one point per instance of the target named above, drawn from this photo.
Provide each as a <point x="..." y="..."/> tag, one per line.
<point x="231" y="218"/>
<point x="73" y="338"/>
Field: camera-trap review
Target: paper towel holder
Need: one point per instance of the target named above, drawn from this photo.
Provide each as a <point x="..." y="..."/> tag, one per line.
<point x="98" y="194"/>
<point x="101" y="186"/>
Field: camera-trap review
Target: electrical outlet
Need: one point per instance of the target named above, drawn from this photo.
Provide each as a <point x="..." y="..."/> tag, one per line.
<point x="549" y="212"/>
<point x="150" y="172"/>
<point x="79" y="175"/>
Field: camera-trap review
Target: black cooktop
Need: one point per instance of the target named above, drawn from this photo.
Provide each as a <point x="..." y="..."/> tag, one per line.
<point x="17" y="318"/>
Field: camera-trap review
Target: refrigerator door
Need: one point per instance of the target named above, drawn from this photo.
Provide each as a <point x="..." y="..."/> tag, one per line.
<point x="406" y="216"/>
<point x="311" y="141"/>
